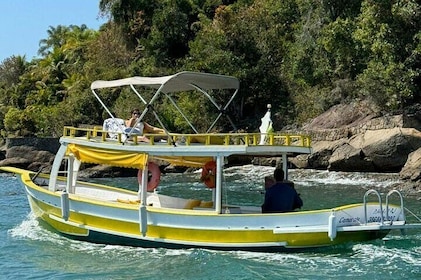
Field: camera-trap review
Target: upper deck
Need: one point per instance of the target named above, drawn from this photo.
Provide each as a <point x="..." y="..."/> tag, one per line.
<point x="208" y="144"/>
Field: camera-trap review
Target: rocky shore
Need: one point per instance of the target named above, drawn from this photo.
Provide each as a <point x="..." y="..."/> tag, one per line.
<point x="354" y="138"/>
<point x="345" y="138"/>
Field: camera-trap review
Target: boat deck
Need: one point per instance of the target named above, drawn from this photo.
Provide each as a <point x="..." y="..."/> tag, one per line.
<point x="191" y="145"/>
<point x="154" y="199"/>
<point x="96" y="134"/>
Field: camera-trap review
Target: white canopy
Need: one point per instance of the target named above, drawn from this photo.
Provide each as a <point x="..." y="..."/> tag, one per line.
<point x="183" y="81"/>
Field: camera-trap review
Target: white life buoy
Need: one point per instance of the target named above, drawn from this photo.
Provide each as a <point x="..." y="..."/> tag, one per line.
<point x="154" y="176"/>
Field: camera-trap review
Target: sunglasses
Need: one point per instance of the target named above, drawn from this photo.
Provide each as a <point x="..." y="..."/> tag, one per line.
<point x="136" y="113"/>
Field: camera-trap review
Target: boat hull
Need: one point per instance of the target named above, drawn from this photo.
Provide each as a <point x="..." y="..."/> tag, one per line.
<point x="115" y="222"/>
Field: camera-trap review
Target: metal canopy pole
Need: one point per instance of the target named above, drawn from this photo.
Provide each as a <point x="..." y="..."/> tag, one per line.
<point x="70" y="186"/>
<point x="148" y="106"/>
<point x="181" y="112"/>
<point x="223" y="110"/>
<point x="218" y="195"/>
<point x="55" y="169"/>
<point x="138" y="94"/>
<point x="103" y="105"/>
<point x="285" y="165"/>
<point x="143" y="215"/>
<point x="220" y="108"/>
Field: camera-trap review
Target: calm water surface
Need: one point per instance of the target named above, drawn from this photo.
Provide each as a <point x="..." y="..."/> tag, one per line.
<point x="29" y="250"/>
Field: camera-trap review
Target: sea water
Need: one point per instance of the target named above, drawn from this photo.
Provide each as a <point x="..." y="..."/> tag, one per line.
<point x="31" y="250"/>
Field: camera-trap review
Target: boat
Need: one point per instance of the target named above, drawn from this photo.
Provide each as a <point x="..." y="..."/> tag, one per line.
<point x="84" y="210"/>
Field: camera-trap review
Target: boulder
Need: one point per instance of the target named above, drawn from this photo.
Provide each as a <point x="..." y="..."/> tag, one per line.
<point x="412" y="168"/>
<point x="28" y="157"/>
<point x="342" y="116"/>
<point x="30" y="154"/>
<point x="382" y="150"/>
<point x="353" y="137"/>
<point x="351" y="159"/>
<point x="389" y="148"/>
<point x="322" y="152"/>
<point x="300" y="161"/>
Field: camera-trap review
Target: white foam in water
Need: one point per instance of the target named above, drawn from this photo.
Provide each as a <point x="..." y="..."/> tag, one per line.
<point x="366" y="257"/>
<point x="249" y="171"/>
<point x="385" y="256"/>
<point x="29" y="228"/>
<point x="309" y="263"/>
<point x="310" y="177"/>
<point x="347" y="178"/>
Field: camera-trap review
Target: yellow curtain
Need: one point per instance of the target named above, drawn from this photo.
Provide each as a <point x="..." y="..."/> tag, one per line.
<point x="129" y="159"/>
<point x="108" y="157"/>
<point x="185" y="161"/>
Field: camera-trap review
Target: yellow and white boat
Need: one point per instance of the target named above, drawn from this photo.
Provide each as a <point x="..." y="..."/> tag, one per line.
<point x="105" y="214"/>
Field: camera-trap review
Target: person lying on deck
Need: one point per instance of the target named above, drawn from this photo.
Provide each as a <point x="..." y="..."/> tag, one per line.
<point x="281" y="196"/>
<point x="142" y="127"/>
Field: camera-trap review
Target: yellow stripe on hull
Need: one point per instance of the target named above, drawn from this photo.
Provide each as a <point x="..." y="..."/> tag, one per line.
<point x="85" y="221"/>
<point x="298" y="240"/>
<point x="43" y="212"/>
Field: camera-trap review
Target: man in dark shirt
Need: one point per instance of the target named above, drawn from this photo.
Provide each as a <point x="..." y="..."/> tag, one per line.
<point x="281" y="197"/>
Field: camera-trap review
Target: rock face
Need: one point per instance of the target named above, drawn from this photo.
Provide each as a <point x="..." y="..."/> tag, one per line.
<point x="354" y="138"/>
<point x="30" y="153"/>
<point x="365" y="148"/>
<point x="412" y="168"/>
<point x="383" y="150"/>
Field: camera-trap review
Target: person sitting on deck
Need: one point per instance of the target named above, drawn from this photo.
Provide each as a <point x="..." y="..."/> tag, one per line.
<point x="141" y="126"/>
<point x="281" y="196"/>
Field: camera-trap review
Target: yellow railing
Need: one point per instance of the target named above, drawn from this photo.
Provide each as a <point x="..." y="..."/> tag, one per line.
<point x="248" y="139"/>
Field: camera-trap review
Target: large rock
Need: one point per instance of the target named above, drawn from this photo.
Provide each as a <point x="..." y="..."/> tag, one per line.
<point x="342" y="116"/>
<point x="383" y="150"/>
<point x="412" y="168"/>
<point x="322" y="152"/>
<point x="30" y="153"/>
<point x="353" y="137"/>
<point x="350" y="158"/>
<point x="389" y="148"/>
<point x="346" y="120"/>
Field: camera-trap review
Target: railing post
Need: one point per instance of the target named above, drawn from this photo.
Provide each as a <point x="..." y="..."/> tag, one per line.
<point x="227" y="139"/>
<point x="380" y="204"/>
<point x="387" y="204"/>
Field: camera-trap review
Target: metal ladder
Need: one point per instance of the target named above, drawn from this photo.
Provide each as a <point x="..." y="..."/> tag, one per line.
<point x="382" y="218"/>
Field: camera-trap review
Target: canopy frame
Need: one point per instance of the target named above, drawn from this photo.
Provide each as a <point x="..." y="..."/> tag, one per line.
<point x="167" y="85"/>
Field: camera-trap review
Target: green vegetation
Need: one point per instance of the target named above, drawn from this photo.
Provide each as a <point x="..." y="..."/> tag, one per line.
<point x="301" y="56"/>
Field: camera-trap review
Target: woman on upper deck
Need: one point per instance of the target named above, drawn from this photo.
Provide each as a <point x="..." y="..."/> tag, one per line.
<point x="141" y="126"/>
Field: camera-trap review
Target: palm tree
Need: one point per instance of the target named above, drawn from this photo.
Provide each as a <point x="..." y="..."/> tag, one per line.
<point x="56" y="38"/>
<point x="11" y="69"/>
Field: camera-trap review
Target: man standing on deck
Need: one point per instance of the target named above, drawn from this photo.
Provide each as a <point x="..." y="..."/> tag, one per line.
<point x="281" y="197"/>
